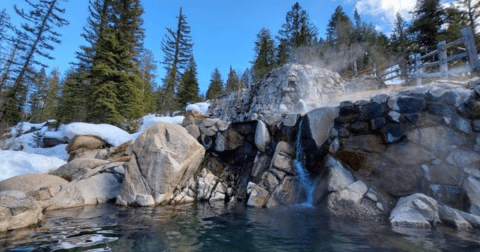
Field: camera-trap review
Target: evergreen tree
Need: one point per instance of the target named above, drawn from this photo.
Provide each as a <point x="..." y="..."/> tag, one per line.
<point x="147" y="70"/>
<point x="264" y="54"/>
<point x="188" y="90"/>
<point x="51" y="101"/>
<point x="117" y="85"/>
<point x="470" y="10"/>
<point x="39" y="93"/>
<point x="35" y="39"/>
<point x="426" y="24"/>
<point x="246" y="79"/>
<point x="297" y="31"/>
<point x="233" y="83"/>
<point x="72" y="103"/>
<point x="216" y="85"/>
<point x="177" y="47"/>
<point x="339" y="29"/>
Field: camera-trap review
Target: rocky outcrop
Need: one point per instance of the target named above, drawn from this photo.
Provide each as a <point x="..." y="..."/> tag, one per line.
<point x="289" y="89"/>
<point x="417" y="211"/>
<point x="18" y="212"/>
<point x="163" y="157"/>
<point x="30" y="182"/>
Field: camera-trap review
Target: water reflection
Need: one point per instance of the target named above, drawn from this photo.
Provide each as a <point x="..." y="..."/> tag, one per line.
<point x="219" y="227"/>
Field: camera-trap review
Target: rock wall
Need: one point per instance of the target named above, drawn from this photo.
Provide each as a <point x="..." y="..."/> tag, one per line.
<point x="289" y="89"/>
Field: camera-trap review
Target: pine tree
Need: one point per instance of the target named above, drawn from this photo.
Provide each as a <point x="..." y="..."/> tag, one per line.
<point x="427" y="22"/>
<point x="117" y="85"/>
<point x="297" y="31"/>
<point x="177" y="47"/>
<point x="246" y="79"/>
<point x="147" y="71"/>
<point x="36" y="39"/>
<point x="51" y="100"/>
<point x="233" y="83"/>
<point x="188" y="90"/>
<point x="264" y="54"/>
<point x="39" y="92"/>
<point x="216" y="85"/>
<point x="72" y="103"/>
<point x="339" y="29"/>
<point x="470" y="9"/>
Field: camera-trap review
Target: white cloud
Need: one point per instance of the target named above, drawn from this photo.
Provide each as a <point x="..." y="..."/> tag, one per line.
<point x="386" y="10"/>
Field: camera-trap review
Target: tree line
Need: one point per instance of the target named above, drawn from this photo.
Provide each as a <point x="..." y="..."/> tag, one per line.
<point x="112" y="79"/>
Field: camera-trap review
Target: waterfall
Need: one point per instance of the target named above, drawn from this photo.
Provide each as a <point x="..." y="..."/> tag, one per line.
<point x="299" y="163"/>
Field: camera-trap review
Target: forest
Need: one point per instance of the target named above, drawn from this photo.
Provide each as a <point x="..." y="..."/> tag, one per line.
<point x="112" y="78"/>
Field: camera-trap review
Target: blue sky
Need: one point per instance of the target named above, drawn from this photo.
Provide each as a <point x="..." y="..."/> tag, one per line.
<point x="223" y="31"/>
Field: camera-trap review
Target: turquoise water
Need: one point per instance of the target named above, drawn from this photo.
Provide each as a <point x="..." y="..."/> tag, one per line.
<point x="220" y="227"/>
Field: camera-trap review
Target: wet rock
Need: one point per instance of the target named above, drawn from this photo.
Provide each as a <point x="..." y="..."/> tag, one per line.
<point x="392" y="133"/>
<point x="415" y="211"/>
<point x="471" y="187"/>
<point x="451" y="217"/>
<point x="319" y="121"/>
<point x="258" y="196"/>
<point x="408" y="105"/>
<point x="338" y="176"/>
<point x="94" y="190"/>
<point x="262" y="136"/>
<point x="19" y="213"/>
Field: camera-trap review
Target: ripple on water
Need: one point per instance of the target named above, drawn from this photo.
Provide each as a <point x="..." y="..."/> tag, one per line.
<point x="219" y="227"/>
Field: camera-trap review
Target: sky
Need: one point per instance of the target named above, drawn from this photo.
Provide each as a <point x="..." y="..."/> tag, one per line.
<point x="223" y="32"/>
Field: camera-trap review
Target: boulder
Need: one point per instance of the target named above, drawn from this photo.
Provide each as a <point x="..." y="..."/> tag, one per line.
<point x="91" y="191"/>
<point x="451" y="217"/>
<point x="282" y="158"/>
<point x="85" y="142"/>
<point x="320" y="121"/>
<point x="349" y="202"/>
<point x="192" y="117"/>
<point x="19" y="213"/>
<point x="163" y="157"/>
<point x="31" y="182"/>
<point x="415" y="211"/>
<point x="262" y="136"/>
<point x="72" y="167"/>
<point x="471" y="186"/>
<point x="338" y="177"/>
<point x="258" y="196"/>
<point x="193" y="130"/>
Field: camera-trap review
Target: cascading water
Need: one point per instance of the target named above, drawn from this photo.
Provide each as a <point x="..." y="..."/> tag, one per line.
<point x="299" y="163"/>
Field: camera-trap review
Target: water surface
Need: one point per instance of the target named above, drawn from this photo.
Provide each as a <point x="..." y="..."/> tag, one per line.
<point x="220" y="227"/>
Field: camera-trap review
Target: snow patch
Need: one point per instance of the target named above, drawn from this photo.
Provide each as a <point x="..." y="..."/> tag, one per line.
<point x="109" y="133"/>
<point x="202" y="107"/>
<point x="14" y="163"/>
<point x="59" y="151"/>
<point x="149" y="120"/>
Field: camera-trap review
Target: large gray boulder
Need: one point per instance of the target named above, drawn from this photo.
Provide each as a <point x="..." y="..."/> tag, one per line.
<point x="91" y="191"/>
<point x="78" y="164"/>
<point x="471" y="186"/>
<point x="258" y="196"/>
<point x="320" y="121"/>
<point x="85" y="142"/>
<point x="415" y="211"/>
<point x="262" y="136"/>
<point x="163" y="157"/>
<point x="31" y="182"/>
<point x="19" y="212"/>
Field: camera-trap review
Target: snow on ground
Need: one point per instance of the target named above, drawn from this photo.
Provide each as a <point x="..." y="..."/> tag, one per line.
<point x="59" y="151"/>
<point x="109" y="133"/>
<point x="14" y="163"/>
<point x="149" y="120"/>
<point x="201" y="107"/>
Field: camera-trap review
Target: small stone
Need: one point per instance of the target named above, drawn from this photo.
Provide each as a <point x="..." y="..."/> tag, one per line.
<point x="334" y="146"/>
<point x="394" y="116"/>
<point x="377" y="123"/>
<point x="476" y="125"/>
<point x="359" y="127"/>
<point x="381" y="98"/>
<point x="392" y="133"/>
<point x="380" y="206"/>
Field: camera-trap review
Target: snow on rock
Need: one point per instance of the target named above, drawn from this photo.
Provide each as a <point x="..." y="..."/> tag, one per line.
<point x="59" y="151"/>
<point x="201" y="107"/>
<point x="109" y="133"/>
<point x="14" y="163"/>
<point x="149" y="120"/>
